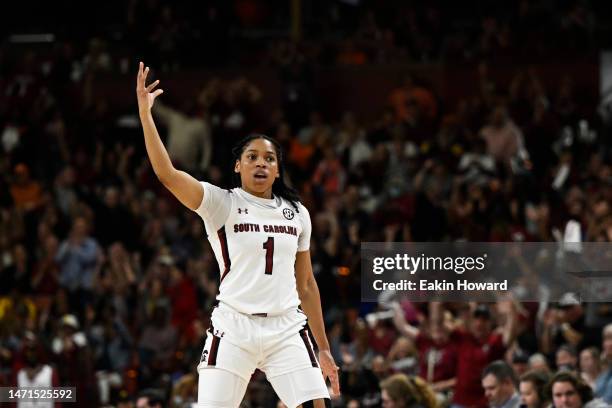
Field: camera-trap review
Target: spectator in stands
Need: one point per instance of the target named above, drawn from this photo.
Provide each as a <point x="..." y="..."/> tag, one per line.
<point x="150" y="399"/>
<point x="159" y="339"/>
<point x="478" y="345"/>
<point x="565" y="323"/>
<point x="402" y="356"/>
<point x="590" y="365"/>
<point x="603" y="385"/>
<point x="73" y="360"/>
<point x="437" y="356"/>
<point x="532" y="387"/>
<point x="17" y="274"/>
<point x="35" y="372"/>
<point x="566" y="358"/>
<point x="401" y="390"/>
<point x="567" y="390"/>
<point x="504" y="139"/>
<point x="26" y="192"/>
<point x="45" y="275"/>
<point x="330" y="176"/>
<point x="189" y="140"/>
<point x="78" y="256"/>
<point x="409" y="94"/>
<point x="114" y="222"/>
<point x="538" y="362"/>
<point x="519" y="362"/>
<point x="499" y="383"/>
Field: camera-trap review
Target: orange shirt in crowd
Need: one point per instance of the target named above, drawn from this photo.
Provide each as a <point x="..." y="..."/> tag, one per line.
<point x="423" y="98"/>
<point x="26" y="196"/>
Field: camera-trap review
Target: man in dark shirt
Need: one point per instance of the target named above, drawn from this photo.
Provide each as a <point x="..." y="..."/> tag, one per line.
<point x="565" y="324"/>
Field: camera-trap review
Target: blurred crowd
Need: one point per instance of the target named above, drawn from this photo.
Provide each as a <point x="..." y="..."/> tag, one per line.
<point x="106" y="282"/>
<point x="344" y="32"/>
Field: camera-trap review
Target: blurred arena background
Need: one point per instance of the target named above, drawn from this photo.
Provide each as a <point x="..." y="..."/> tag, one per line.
<point x="401" y="120"/>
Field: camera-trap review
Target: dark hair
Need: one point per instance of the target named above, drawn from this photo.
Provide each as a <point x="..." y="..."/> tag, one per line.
<point x="482" y="311"/>
<point x="568" y="348"/>
<point x="539" y="380"/>
<point x="500" y="370"/>
<point x="594" y="352"/>
<point x="582" y="388"/>
<point x="154" y="397"/>
<point x="280" y="187"/>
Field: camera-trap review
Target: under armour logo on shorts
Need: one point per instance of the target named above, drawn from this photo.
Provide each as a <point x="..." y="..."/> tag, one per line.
<point x="241" y="210"/>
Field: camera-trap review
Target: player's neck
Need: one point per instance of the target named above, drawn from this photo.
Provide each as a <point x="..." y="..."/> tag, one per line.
<point x="266" y="194"/>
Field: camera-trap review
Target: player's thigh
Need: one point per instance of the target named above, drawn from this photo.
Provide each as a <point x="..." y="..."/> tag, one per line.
<point x="300" y="387"/>
<point x="219" y="388"/>
<point x="223" y="352"/>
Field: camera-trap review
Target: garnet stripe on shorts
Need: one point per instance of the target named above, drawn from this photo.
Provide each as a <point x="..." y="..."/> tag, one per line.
<point x="306" y="340"/>
<point x="226" y="259"/>
<point x="214" y="347"/>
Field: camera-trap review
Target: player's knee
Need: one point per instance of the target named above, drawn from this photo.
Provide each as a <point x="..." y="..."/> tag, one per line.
<point x="317" y="403"/>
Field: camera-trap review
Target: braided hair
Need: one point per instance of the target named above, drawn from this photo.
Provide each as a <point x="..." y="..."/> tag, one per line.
<point x="280" y="186"/>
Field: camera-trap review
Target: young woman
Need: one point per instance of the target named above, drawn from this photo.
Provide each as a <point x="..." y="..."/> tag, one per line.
<point x="590" y="365"/>
<point x="262" y="245"/>
<point x="532" y="387"/>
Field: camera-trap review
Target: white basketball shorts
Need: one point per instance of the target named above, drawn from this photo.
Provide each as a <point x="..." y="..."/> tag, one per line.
<point x="277" y="345"/>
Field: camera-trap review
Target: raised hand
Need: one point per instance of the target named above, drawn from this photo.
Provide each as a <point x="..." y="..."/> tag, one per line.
<point x="146" y="94"/>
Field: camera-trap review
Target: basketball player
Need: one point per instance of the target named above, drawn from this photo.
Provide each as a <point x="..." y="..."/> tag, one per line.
<point x="261" y="240"/>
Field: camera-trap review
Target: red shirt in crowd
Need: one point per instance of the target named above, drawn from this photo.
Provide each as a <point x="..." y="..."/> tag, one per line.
<point x="473" y="355"/>
<point x="439" y="359"/>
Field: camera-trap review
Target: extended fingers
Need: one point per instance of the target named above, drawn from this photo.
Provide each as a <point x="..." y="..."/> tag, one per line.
<point x="335" y="383"/>
<point x="157" y="93"/>
<point x="331" y="372"/>
<point x="139" y="76"/>
<point x="152" y="86"/>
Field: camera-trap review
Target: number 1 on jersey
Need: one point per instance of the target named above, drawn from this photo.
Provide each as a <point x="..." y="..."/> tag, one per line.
<point x="269" y="247"/>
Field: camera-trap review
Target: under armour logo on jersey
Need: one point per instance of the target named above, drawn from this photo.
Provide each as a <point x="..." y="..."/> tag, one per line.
<point x="204" y="355"/>
<point x="243" y="210"/>
<point x="288" y="213"/>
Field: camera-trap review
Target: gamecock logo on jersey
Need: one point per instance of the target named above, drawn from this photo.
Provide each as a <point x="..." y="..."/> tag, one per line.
<point x="288" y="213"/>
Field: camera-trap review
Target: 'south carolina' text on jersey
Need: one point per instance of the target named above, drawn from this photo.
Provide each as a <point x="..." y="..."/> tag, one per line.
<point x="275" y="229"/>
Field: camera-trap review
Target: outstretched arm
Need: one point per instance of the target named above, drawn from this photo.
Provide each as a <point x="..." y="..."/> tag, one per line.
<point x="402" y="325"/>
<point x="184" y="187"/>
<point x="311" y="303"/>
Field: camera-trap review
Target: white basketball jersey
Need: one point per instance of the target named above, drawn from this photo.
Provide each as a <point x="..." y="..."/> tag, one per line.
<point x="255" y="242"/>
<point x="42" y="379"/>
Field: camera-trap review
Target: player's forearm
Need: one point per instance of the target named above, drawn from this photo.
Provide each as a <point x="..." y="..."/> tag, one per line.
<point x="311" y="304"/>
<point x="160" y="161"/>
